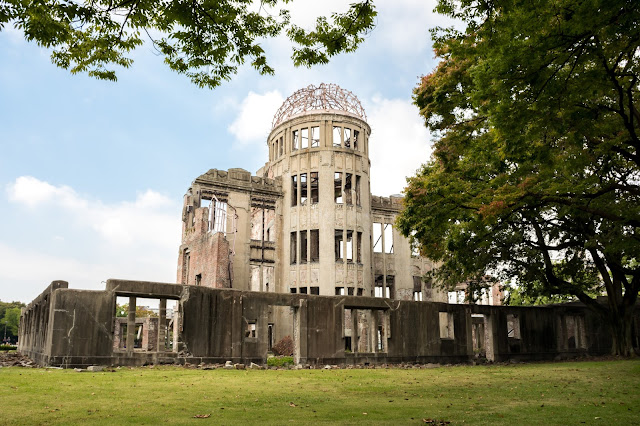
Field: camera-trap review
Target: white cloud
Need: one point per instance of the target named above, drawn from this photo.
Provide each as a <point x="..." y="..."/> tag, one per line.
<point x="128" y="239"/>
<point x="253" y="123"/>
<point x="399" y="144"/>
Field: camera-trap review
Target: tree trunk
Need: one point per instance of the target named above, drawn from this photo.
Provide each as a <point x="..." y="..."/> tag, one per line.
<point x="620" y="326"/>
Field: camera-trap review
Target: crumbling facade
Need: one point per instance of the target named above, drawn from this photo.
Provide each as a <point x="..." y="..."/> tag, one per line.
<point x="76" y="328"/>
<point x="307" y="223"/>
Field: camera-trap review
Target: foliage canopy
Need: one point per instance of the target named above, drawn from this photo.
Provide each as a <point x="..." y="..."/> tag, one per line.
<point x="535" y="177"/>
<point x="205" y="39"/>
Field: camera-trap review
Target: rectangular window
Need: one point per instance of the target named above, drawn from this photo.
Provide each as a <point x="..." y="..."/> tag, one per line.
<point x="293" y="290"/>
<point x="339" y="291"/>
<point x="356" y="135"/>
<point x="337" y="136"/>
<point x="295" y="140"/>
<point x="294" y="190"/>
<point x="357" y="190"/>
<point x="390" y="287"/>
<point x="294" y="247"/>
<point x="303" y="189"/>
<point x="349" y="246"/>
<point x="359" y="247"/>
<point x="417" y="296"/>
<point x="303" y="290"/>
<point x="315" y="245"/>
<point x="337" y="187"/>
<point x="513" y="326"/>
<point x="315" y="137"/>
<point x="304" y="139"/>
<point x="339" y="246"/>
<point x="377" y="237"/>
<point x="281" y="146"/>
<point x="347" y="188"/>
<point x="350" y="291"/>
<point x="347" y="137"/>
<point x="218" y="217"/>
<point x="446" y="325"/>
<point x="360" y="292"/>
<point x="315" y="290"/>
<point x="388" y="238"/>
<point x="313" y="187"/>
<point x="303" y="246"/>
<point x="251" y="330"/>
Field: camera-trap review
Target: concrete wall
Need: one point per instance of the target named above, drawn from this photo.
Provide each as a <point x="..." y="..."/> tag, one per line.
<point x="70" y="328"/>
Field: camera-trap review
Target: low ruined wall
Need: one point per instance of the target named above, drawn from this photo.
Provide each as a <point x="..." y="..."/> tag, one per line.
<point x="76" y="328"/>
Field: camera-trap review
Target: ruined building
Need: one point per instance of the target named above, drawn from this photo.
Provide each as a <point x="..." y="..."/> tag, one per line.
<point x="307" y="222"/>
<point x="302" y="249"/>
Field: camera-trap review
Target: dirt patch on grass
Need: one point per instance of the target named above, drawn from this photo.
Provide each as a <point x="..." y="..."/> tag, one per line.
<point x="14" y="359"/>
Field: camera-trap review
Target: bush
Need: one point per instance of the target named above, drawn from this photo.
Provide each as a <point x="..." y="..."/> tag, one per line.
<point x="279" y="361"/>
<point x="284" y="347"/>
<point x="4" y="347"/>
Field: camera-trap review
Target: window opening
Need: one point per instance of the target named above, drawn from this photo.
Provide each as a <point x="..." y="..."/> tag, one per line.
<point x="315" y="290"/>
<point x="380" y="346"/>
<point x="294" y="248"/>
<point x="303" y="246"/>
<point x="358" y="190"/>
<point x="315" y="245"/>
<point x="293" y="290"/>
<point x="390" y="286"/>
<point x="198" y="279"/>
<point x="303" y="189"/>
<point x="251" y="329"/>
<point x="304" y="139"/>
<point x="359" y="247"/>
<point x="217" y="216"/>
<point x="350" y="291"/>
<point x="378" y="286"/>
<point x="339" y="291"/>
<point x="294" y="190"/>
<point x="377" y="237"/>
<point x="360" y="292"/>
<point x="337" y="136"/>
<point x="269" y="337"/>
<point x="356" y="134"/>
<point x="347" y="188"/>
<point x="513" y="326"/>
<point x="314" y="185"/>
<point x="338" y="245"/>
<point x="446" y="325"/>
<point x="349" y="246"/>
<point x="315" y="137"/>
<point x="347" y="137"/>
<point x="295" y="143"/>
<point x="281" y="147"/>
<point x="337" y="187"/>
<point x="388" y="238"/>
<point x="303" y="290"/>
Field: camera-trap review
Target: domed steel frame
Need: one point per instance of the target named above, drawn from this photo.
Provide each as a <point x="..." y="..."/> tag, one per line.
<point x="326" y="97"/>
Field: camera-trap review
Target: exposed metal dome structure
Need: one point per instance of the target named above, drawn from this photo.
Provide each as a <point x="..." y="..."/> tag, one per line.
<point x="326" y="97"/>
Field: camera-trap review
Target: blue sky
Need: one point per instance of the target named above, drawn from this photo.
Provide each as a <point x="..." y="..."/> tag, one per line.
<point x="92" y="173"/>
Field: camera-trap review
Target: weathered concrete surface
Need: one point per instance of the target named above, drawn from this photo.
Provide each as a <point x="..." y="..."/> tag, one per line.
<point x="75" y="328"/>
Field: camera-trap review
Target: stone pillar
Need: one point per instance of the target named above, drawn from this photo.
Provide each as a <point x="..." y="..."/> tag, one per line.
<point x="354" y="330"/>
<point x="131" y="324"/>
<point x="162" y="315"/>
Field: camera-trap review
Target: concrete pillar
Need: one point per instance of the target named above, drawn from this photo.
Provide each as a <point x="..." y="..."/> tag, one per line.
<point x="354" y="330"/>
<point x="131" y="324"/>
<point x="162" y="315"/>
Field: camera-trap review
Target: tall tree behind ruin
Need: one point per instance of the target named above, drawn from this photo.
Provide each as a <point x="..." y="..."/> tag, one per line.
<point x="535" y="177"/>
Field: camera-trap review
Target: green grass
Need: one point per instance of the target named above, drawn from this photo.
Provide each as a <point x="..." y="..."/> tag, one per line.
<point x="551" y="393"/>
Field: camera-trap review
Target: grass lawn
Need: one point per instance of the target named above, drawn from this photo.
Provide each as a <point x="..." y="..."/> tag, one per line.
<point x="606" y="392"/>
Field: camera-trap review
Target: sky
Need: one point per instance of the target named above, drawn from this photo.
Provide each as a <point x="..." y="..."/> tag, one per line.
<point x="92" y="173"/>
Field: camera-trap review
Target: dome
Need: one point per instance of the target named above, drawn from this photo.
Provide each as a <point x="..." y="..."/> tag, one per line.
<point x="326" y="97"/>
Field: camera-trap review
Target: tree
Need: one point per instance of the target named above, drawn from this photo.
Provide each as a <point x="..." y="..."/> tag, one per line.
<point x="141" y="311"/>
<point x="535" y="176"/>
<point x="205" y="39"/>
<point x="10" y="319"/>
